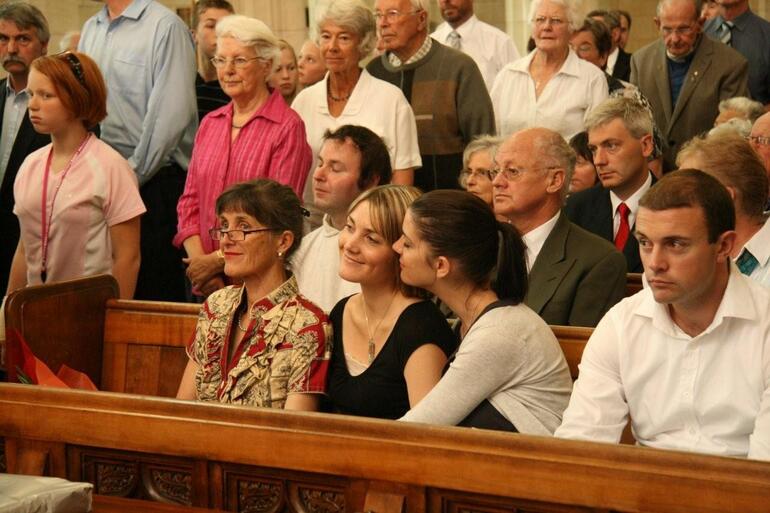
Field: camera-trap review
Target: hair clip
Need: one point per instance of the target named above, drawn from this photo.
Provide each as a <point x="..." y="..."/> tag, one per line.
<point x="305" y="212"/>
<point x="75" y="66"/>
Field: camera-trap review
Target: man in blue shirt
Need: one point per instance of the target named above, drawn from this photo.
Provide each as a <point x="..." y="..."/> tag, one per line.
<point x="740" y="28"/>
<point x="146" y="55"/>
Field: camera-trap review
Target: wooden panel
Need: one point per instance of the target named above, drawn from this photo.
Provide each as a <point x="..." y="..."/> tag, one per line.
<point x="104" y="504"/>
<point x="62" y="323"/>
<point x="633" y="283"/>
<point x="531" y="472"/>
<point x="572" y="340"/>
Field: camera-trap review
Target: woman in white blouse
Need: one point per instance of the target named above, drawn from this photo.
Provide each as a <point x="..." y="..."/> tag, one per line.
<point x="551" y="87"/>
<point x="349" y="95"/>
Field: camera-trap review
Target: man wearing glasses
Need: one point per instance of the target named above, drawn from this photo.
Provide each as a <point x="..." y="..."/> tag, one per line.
<point x="444" y="87"/>
<point x="575" y="277"/>
<point x="685" y="75"/>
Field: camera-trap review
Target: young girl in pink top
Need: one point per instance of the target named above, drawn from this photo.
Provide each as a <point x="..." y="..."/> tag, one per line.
<point x="77" y="199"/>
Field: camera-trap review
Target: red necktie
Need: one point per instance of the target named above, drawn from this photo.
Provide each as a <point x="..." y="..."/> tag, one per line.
<point x="623" y="229"/>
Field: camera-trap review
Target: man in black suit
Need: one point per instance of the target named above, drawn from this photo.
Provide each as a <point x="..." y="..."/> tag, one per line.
<point x="620" y="138"/>
<point x="24" y="37"/>
<point x="618" y="61"/>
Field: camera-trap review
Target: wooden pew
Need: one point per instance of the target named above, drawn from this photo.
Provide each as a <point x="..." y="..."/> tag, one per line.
<point x="266" y="461"/>
<point x="633" y="283"/>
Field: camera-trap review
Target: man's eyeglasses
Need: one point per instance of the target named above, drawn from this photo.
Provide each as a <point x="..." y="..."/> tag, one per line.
<point x="391" y="15"/>
<point x="238" y="62"/>
<point x="758" y="139"/>
<point x="679" y="31"/>
<point x="513" y="173"/>
<point x="235" y="235"/>
<point x="467" y="174"/>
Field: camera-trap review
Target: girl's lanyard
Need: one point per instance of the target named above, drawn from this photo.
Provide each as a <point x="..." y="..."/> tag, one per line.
<point x="46" y="219"/>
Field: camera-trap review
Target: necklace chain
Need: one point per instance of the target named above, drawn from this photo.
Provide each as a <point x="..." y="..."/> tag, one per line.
<point x="376" y="328"/>
<point x="251" y="315"/>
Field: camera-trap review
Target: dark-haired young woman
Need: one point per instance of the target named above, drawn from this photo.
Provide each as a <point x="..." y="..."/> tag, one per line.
<point x="509" y="372"/>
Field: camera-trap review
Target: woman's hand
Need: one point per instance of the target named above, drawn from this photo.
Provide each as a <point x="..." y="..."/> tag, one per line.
<point x="202" y="269"/>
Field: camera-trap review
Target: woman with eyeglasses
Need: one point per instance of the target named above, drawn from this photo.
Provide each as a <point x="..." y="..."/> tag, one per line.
<point x="478" y="163"/>
<point x="260" y="343"/>
<point x="551" y="87"/>
<point x="509" y="372"/>
<point x="77" y="199"/>
<point x="256" y="135"/>
<point x="349" y="95"/>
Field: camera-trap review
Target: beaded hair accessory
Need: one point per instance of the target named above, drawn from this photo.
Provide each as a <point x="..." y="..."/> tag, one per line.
<point x="75" y="66"/>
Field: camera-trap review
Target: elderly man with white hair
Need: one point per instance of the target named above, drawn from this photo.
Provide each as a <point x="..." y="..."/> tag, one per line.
<point x="551" y="87"/>
<point x="444" y="87"/>
<point x="256" y="135"/>
<point x="739" y="107"/>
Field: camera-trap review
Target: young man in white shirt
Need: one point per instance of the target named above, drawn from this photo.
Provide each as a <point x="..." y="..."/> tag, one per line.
<point x="688" y="357"/>
<point x="351" y="160"/>
<point x="490" y="47"/>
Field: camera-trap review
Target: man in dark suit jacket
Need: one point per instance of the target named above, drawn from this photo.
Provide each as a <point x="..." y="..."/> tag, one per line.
<point x="618" y="60"/>
<point x="574" y="276"/>
<point x="25" y="32"/>
<point x="620" y="137"/>
<point x="685" y="75"/>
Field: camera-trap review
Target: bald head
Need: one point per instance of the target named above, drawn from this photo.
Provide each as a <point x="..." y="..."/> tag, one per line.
<point x="760" y="139"/>
<point x="536" y="165"/>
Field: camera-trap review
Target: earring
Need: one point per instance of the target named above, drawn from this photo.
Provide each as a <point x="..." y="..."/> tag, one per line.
<point x="280" y="254"/>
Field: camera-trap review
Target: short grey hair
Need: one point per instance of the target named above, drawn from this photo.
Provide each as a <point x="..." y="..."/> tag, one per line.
<point x="353" y="15"/>
<point x="610" y="19"/>
<point x="551" y="148"/>
<point x="66" y="40"/>
<point x="748" y="108"/>
<point x="636" y="117"/>
<point x="739" y="126"/>
<point x="662" y="3"/>
<point x="570" y="8"/>
<point x="421" y="5"/>
<point x="251" y="32"/>
<point x="488" y="143"/>
<point x="26" y="16"/>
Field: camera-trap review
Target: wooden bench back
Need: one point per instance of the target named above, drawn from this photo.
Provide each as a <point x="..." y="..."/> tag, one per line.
<point x="61" y="323"/>
<point x="268" y="461"/>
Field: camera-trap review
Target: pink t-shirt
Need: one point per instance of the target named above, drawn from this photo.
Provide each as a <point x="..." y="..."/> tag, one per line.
<point x="99" y="191"/>
<point x="272" y="144"/>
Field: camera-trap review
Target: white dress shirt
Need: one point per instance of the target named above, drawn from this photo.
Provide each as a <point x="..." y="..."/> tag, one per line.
<point x="534" y="239"/>
<point x="563" y="104"/>
<point x="316" y="265"/>
<point x="632" y="203"/>
<point x="709" y="393"/>
<point x="759" y="246"/>
<point x="612" y="59"/>
<point x="488" y="46"/>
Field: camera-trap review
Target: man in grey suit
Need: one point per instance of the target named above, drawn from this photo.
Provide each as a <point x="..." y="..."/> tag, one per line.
<point x="574" y="275"/>
<point x="685" y="75"/>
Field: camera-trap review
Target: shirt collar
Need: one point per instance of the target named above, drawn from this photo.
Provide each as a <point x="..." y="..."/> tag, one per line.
<point x="328" y="229"/>
<point x="9" y="92"/>
<point x="419" y="54"/>
<point x="284" y="291"/>
<point x="570" y="67"/>
<point x="271" y="110"/>
<point x="633" y="202"/>
<point x="133" y="11"/>
<point x="759" y="244"/>
<point x="467" y="29"/>
<point x="534" y="239"/>
<point x="736" y="303"/>
<point x="356" y="101"/>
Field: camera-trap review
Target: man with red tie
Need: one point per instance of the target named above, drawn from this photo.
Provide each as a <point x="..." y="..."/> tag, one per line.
<point x="620" y="138"/>
<point x="575" y="277"/>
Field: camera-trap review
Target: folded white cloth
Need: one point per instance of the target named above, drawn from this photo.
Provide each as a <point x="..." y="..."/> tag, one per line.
<point x="33" y="494"/>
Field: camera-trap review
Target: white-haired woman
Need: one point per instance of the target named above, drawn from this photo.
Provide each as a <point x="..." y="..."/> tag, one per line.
<point x="551" y="87"/>
<point x="256" y="135"/>
<point x="349" y="95"/>
<point x="739" y="107"/>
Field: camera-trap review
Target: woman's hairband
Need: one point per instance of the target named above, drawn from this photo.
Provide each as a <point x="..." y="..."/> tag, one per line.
<point x="75" y="66"/>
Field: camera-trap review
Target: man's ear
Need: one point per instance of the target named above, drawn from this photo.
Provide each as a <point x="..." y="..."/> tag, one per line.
<point x="725" y="244"/>
<point x="555" y="180"/>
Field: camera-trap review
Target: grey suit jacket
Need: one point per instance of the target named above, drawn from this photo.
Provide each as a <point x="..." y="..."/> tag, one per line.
<point x="576" y="277"/>
<point x="717" y="72"/>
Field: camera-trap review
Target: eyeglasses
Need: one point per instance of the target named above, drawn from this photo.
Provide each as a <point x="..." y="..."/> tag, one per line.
<point x="541" y="21"/>
<point x="513" y="173"/>
<point x="238" y="62"/>
<point x="679" y="31"/>
<point x="235" y="235"/>
<point x="391" y="15"/>
<point x="467" y="174"/>
<point x="758" y="139"/>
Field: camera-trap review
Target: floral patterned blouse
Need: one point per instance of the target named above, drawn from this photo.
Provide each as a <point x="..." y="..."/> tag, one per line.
<point x="285" y="349"/>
